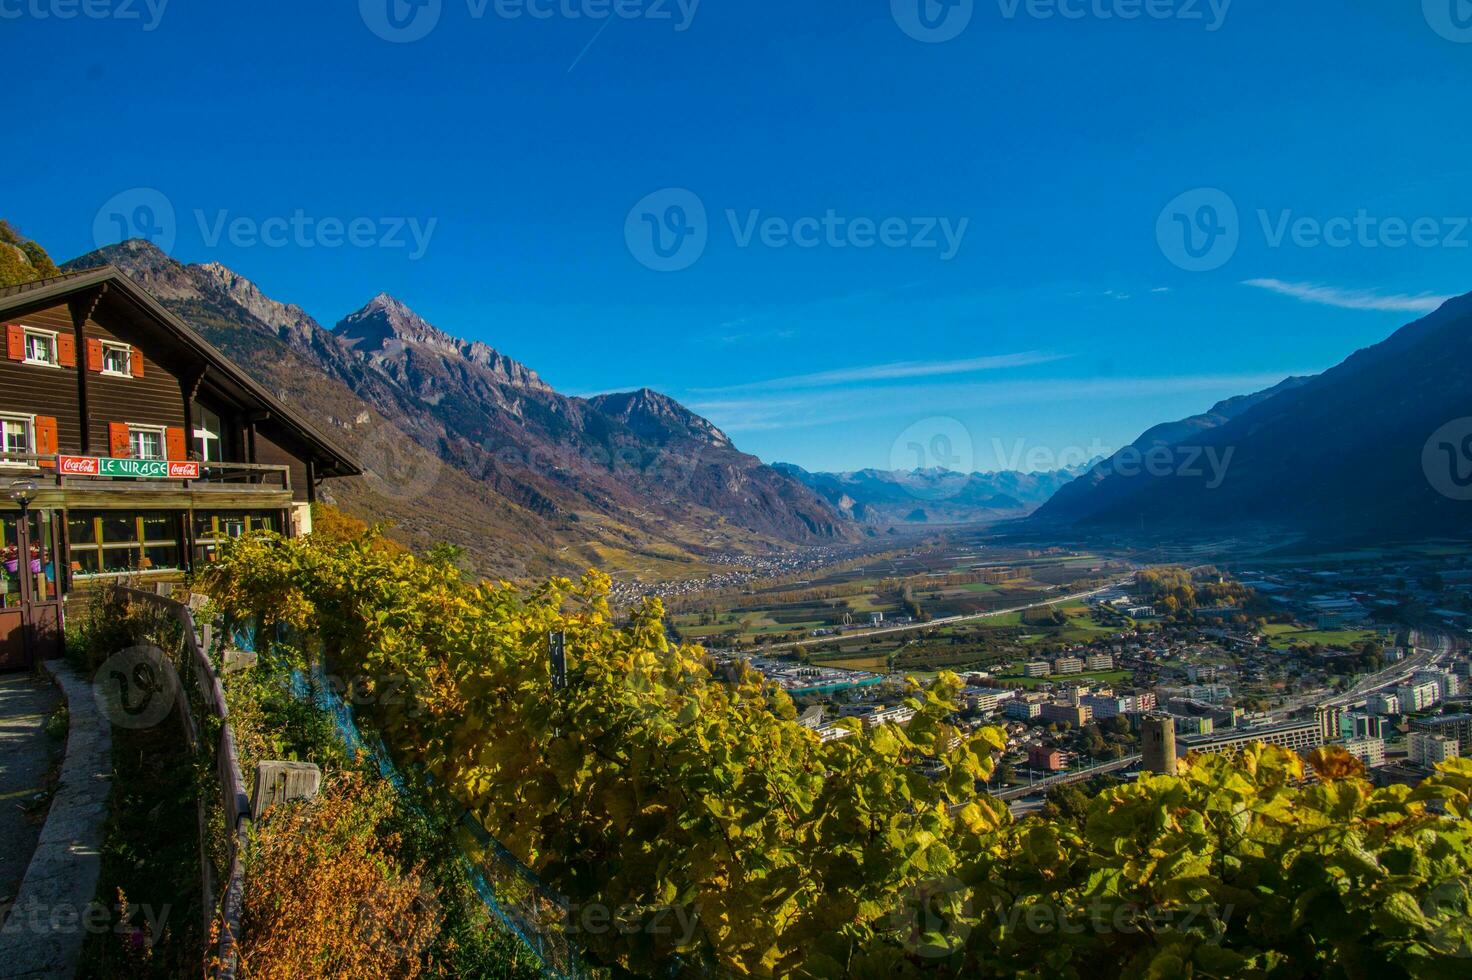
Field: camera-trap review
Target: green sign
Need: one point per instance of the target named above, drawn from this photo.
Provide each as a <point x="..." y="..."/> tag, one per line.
<point x="156" y="468"/>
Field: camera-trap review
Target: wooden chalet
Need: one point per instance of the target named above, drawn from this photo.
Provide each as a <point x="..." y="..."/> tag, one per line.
<point x="131" y="448"/>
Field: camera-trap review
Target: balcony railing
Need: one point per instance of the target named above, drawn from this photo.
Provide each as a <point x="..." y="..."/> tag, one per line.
<point x="235" y="476"/>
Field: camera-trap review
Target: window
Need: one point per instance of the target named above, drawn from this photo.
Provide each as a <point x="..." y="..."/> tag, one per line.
<point x="41" y="347"/>
<point x="146" y="442"/>
<point x="213" y="529"/>
<point x="207" y="431"/>
<point x="120" y="542"/>
<point x="19" y="433"/>
<point x="117" y="359"/>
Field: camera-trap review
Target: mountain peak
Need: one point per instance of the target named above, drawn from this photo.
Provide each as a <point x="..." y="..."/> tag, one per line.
<point x="386" y="330"/>
<point x="657" y="416"/>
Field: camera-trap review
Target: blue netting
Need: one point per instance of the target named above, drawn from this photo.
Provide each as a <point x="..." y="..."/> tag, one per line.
<point x="510" y="891"/>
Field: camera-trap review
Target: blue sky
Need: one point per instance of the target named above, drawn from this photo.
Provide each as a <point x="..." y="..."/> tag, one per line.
<point x="1067" y="156"/>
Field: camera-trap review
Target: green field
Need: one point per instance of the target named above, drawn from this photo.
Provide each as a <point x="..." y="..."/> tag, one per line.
<point x="1283" y="636"/>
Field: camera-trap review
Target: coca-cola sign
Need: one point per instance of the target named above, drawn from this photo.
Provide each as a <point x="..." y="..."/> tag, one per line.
<point x="77" y="466"/>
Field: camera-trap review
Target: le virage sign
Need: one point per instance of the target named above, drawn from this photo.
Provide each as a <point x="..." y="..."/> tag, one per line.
<point x="154" y="469"/>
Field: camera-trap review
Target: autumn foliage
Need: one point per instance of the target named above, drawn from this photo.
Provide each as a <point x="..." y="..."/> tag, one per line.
<point x="661" y="795"/>
<point x="326" y="895"/>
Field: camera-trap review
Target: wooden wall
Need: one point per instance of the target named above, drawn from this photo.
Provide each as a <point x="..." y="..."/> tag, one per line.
<point x="273" y="453"/>
<point x="34" y="390"/>
<point x="154" y="399"/>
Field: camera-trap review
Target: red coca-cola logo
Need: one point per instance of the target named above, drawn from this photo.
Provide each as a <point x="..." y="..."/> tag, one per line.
<point x="78" y="465"/>
<point x="184" y="471"/>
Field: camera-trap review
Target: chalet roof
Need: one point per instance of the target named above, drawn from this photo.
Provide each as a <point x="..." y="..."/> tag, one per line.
<point x="337" y="460"/>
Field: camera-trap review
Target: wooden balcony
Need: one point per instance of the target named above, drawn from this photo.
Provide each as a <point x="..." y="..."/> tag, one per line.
<point x="221" y="484"/>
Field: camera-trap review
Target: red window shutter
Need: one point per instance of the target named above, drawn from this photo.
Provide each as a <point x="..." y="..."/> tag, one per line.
<point x="66" y="350"/>
<point x="94" y="354"/>
<point x="15" y="342"/>
<point x="117" y="440"/>
<point x="46" y="437"/>
<point x="174" y="446"/>
<point x="137" y="362"/>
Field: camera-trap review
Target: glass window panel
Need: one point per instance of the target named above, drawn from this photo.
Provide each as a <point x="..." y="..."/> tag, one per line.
<point x="204" y="525"/>
<point x="158" y="527"/>
<point x="85" y="561"/>
<point x="81" y="529"/>
<point x="146" y="443"/>
<point x="265" y="522"/>
<point x="232" y="526"/>
<point x="9" y="562"/>
<point x="117" y="359"/>
<point x="207" y="434"/>
<point x="41" y="347"/>
<point x="43" y="566"/>
<point x="119" y="527"/>
<point x="17" y="435"/>
<point x="119" y="559"/>
<point x="206" y="553"/>
<point x="157" y="557"/>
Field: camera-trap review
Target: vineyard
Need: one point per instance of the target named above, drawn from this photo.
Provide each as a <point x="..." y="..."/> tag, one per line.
<point x="694" y="828"/>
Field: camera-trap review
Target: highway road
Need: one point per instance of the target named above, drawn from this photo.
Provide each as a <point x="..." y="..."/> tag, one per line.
<point x="946" y="621"/>
<point x="1438" y="644"/>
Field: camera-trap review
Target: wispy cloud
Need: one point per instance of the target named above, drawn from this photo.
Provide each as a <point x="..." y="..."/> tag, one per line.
<point x="736" y="332"/>
<point x="1351" y="299"/>
<point x="898" y="370"/>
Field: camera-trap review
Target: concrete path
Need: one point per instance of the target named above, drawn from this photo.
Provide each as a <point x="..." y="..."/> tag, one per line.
<point x="26" y="755"/>
<point x="55" y="909"/>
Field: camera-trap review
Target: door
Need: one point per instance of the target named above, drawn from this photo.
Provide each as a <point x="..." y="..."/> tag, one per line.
<point x="13" y="648"/>
<point x="30" y="622"/>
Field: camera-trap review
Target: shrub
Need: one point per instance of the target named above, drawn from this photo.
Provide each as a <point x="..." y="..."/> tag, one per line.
<point x="327" y="896"/>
